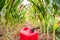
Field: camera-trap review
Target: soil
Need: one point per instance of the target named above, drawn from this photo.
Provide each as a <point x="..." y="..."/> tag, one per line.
<point x="15" y="35"/>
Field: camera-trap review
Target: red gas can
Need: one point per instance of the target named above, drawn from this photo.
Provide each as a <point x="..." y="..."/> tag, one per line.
<point x="27" y="34"/>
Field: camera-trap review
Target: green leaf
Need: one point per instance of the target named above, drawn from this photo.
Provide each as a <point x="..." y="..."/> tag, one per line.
<point x="47" y="1"/>
<point x="57" y="2"/>
<point x="9" y="2"/>
<point x="14" y="7"/>
<point x="55" y="9"/>
<point x="2" y="2"/>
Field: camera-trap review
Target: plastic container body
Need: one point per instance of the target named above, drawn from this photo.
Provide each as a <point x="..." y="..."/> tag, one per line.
<point x="27" y="34"/>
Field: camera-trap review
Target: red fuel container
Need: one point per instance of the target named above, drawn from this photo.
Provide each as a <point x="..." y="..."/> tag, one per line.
<point x="27" y="34"/>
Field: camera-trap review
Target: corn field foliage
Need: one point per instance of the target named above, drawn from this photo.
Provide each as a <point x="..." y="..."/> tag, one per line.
<point x="42" y="13"/>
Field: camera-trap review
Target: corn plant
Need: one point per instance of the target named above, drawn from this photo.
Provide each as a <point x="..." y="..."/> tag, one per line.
<point x="47" y="11"/>
<point x="37" y="12"/>
<point x="11" y="16"/>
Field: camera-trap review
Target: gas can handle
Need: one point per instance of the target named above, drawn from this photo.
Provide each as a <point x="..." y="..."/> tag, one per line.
<point x="35" y="28"/>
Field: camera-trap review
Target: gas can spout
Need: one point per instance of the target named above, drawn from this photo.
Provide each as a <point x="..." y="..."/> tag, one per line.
<point x="35" y="28"/>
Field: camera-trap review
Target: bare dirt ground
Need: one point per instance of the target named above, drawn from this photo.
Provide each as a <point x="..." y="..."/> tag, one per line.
<point x="15" y="34"/>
